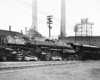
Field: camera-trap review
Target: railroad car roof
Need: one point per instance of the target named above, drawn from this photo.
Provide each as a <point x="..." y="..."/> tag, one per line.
<point x="90" y="46"/>
<point x="83" y="45"/>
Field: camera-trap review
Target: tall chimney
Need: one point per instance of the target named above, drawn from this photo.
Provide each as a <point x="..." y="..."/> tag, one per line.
<point x="34" y="15"/>
<point x="63" y="19"/>
<point x="9" y="27"/>
<point x="21" y="31"/>
<point x="25" y="30"/>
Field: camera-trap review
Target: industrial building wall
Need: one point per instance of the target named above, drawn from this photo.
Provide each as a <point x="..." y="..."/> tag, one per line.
<point x="95" y="40"/>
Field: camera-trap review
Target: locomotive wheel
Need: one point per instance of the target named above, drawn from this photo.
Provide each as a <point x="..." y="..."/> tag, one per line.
<point x="4" y="58"/>
<point x="72" y="57"/>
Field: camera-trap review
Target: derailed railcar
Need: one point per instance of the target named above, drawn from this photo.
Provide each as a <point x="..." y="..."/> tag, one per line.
<point x="87" y="52"/>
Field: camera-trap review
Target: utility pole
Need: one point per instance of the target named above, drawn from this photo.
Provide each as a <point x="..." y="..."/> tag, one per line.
<point x="49" y="22"/>
<point x="75" y="30"/>
<point x="91" y="32"/>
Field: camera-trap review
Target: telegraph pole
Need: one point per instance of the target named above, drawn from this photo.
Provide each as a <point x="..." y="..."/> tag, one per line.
<point x="49" y="22"/>
<point x="75" y="30"/>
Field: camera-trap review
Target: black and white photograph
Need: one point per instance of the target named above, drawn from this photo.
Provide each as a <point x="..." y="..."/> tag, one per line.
<point x="49" y="39"/>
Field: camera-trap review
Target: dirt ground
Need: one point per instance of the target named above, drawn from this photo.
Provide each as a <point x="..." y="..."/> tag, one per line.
<point x="87" y="70"/>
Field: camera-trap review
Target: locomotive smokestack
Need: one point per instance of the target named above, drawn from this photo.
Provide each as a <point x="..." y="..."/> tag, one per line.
<point x="63" y="19"/>
<point x="9" y="27"/>
<point x="34" y="15"/>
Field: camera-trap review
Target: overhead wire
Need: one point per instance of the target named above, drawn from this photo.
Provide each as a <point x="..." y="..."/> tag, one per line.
<point x="22" y="3"/>
<point x="39" y="20"/>
<point x="30" y="6"/>
<point x="39" y="11"/>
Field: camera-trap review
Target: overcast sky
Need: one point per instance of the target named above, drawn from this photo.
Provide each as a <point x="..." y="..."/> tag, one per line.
<point x="18" y="14"/>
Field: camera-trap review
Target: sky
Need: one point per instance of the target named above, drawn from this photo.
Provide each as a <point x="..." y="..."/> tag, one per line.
<point x="18" y="14"/>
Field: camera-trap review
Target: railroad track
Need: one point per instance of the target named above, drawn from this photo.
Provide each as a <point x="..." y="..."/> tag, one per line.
<point x="7" y="68"/>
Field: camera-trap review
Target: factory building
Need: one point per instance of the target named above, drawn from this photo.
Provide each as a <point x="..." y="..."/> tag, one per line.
<point x="87" y="40"/>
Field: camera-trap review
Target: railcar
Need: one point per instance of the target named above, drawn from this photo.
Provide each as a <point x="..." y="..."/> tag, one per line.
<point x="87" y="52"/>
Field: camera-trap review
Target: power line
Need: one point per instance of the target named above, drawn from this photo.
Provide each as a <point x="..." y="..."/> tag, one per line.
<point x="23" y="11"/>
<point x="29" y="6"/>
<point x="45" y="14"/>
<point x="39" y="11"/>
<point x="40" y="20"/>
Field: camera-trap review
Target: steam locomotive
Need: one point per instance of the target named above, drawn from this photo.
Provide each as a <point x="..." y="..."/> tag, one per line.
<point x="13" y="48"/>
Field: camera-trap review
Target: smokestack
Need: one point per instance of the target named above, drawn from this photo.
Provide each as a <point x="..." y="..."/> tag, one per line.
<point x="25" y="30"/>
<point x="63" y="19"/>
<point x="21" y="31"/>
<point x="9" y="27"/>
<point x="34" y="15"/>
